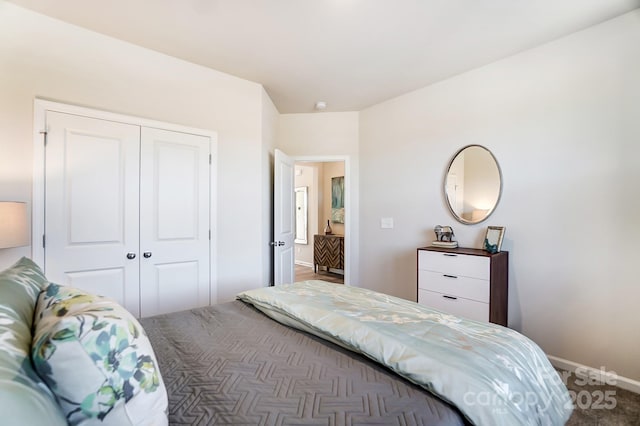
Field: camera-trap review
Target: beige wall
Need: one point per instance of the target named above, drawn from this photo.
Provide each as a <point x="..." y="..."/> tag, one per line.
<point x="330" y="170"/>
<point x="563" y="121"/>
<point x="43" y="57"/>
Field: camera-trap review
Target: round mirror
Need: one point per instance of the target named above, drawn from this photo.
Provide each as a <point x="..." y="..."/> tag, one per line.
<point x="473" y="184"/>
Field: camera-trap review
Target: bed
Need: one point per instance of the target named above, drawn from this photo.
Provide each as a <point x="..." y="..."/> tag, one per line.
<point x="231" y="364"/>
<point x="306" y="353"/>
<point x="348" y="356"/>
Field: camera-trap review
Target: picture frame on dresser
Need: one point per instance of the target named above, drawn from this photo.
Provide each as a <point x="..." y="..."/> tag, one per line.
<point x="493" y="239"/>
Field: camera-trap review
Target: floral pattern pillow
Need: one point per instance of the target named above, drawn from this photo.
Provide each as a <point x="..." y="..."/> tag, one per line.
<point x="97" y="360"/>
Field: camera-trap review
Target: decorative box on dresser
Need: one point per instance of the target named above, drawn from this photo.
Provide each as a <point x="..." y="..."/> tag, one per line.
<point x="470" y="283"/>
<point x="328" y="250"/>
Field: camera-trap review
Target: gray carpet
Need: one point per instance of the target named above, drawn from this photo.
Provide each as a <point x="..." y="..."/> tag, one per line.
<point x="602" y="405"/>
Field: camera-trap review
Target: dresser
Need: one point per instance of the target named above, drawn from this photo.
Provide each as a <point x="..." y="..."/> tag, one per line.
<point x="328" y="251"/>
<point x="470" y="283"/>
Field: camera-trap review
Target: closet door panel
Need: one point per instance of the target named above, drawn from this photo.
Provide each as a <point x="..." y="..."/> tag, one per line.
<point x="110" y="282"/>
<point x="91" y="205"/>
<point x="172" y="287"/>
<point x="176" y="184"/>
<point x="174" y="221"/>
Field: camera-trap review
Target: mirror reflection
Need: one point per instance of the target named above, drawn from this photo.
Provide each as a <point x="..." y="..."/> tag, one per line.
<point x="301" y="215"/>
<point x="473" y="184"/>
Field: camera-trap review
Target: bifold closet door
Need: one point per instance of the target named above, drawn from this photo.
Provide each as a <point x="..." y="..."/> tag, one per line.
<point x="91" y="206"/>
<point x="174" y="221"/>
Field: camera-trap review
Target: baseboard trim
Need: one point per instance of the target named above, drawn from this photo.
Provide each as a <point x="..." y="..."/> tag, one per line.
<point x="599" y="375"/>
<point x="302" y="263"/>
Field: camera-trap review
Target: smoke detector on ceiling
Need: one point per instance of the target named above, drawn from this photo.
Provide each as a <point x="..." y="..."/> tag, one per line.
<point x="321" y="105"/>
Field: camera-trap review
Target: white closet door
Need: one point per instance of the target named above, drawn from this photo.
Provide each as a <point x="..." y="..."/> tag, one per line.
<point x="91" y="206"/>
<point x="174" y="221"/>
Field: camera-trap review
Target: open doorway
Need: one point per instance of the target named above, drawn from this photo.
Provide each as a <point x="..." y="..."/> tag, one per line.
<point x="320" y="220"/>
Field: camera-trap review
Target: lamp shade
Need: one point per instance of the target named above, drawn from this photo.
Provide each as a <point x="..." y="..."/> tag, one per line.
<point x="14" y="231"/>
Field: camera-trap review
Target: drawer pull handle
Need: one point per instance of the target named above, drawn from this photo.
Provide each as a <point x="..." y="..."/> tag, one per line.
<point x="449" y="297"/>
<point x="450" y="255"/>
<point x="449" y="276"/>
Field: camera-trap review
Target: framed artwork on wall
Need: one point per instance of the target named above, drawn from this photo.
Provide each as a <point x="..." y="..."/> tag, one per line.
<point x="337" y="199"/>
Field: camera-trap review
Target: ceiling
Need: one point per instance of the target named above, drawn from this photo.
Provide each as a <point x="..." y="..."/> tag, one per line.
<point x="349" y="53"/>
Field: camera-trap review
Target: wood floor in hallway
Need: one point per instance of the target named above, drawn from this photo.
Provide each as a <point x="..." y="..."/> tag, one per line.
<point x="303" y="273"/>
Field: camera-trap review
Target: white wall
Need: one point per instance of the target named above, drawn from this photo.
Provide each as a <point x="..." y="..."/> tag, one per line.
<point x="324" y="135"/>
<point x="44" y="57"/>
<point x="563" y="120"/>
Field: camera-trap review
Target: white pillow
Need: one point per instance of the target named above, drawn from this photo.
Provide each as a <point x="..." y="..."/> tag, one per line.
<point x="97" y="360"/>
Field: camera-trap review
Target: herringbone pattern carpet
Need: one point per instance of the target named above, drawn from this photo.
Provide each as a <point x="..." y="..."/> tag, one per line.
<point x="229" y="364"/>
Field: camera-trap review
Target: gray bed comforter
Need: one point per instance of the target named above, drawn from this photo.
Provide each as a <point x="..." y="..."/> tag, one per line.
<point x="230" y="364"/>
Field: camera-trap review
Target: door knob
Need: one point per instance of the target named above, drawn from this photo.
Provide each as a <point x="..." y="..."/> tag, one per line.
<point x="146" y="254"/>
<point x="131" y="255"/>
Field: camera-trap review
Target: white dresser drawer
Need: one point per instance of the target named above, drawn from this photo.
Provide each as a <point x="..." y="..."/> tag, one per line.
<point x="455" y="285"/>
<point x="456" y="306"/>
<point x="466" y="282"/>
<point x="455" y="264"/>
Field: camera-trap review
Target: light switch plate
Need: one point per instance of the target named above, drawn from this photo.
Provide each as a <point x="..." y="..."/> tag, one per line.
<point x="386" y="223"/>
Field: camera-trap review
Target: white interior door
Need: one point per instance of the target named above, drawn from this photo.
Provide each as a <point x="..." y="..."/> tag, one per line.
<point x="283" y="218"/>
<point x="174" y="221"/>
<point x="91" y="205"/>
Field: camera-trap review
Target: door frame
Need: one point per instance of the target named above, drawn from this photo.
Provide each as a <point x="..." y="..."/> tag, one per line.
<point x="40" y="108"/>
<point x="348" y="210"/>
